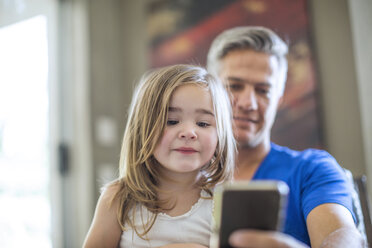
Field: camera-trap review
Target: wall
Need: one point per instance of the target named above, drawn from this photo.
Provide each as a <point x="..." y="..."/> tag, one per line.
<point x="118" y="52"/>
<point x="343" y="42"/>
<point x="338" y="83"/>
<point x="361" y="23"/>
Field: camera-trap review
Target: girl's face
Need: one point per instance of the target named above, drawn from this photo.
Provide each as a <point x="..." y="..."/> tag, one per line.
<point x="190" y="136"/>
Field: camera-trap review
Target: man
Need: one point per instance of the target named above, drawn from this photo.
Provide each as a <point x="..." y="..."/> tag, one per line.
<point x="251" y="62"/>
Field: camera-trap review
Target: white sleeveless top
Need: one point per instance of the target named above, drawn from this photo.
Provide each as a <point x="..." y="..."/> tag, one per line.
<point x="195" y="226"/>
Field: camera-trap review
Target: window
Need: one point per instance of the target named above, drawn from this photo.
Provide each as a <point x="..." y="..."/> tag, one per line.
<point x="25" y="219"/>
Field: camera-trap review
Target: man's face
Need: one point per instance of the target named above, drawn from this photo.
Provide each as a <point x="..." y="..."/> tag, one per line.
<point x="252" y="79"/>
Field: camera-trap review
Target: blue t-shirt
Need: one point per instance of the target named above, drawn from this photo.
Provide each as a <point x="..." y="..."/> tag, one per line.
<point x="313" y="176"/>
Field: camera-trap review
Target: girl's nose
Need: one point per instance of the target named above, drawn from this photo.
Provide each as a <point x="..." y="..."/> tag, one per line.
<point x="188" y="133"/>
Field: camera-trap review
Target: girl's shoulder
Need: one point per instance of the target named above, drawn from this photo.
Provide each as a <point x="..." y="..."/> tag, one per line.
<point x="111" y="187"/>
<point x="110" y="191"/>
<point x="105" y="230"/>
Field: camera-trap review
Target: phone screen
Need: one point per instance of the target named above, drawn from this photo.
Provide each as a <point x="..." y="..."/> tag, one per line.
<point x="249" y="205"/>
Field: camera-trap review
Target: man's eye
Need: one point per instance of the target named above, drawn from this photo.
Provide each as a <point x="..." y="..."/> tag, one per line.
<point x="171" y="122"/>
<point x="235" y="87"/>
<point x="262" y="91"/>
<point x="203" y="124"/>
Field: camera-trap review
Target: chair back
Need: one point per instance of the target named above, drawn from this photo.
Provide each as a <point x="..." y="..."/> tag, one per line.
<point x="361" y="187"/>
<point x="361" y="206"/>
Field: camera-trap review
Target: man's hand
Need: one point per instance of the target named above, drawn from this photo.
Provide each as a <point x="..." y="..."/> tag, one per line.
<point x="258" y="239"/>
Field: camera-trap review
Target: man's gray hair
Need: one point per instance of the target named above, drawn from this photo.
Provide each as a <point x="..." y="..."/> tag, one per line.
<point x="259" y="39"/>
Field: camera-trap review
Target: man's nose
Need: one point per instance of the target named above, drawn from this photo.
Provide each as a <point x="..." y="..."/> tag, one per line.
<point x="247" y="99"/>
<point x="188" y="132"/>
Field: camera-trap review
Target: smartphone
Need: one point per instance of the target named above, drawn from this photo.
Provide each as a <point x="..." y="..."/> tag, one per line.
<point x="248" y="205"/>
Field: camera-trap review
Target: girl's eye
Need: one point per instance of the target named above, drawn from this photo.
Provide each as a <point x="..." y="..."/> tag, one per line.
<point x="171" y="122"/>
<point x="203" y="124"/>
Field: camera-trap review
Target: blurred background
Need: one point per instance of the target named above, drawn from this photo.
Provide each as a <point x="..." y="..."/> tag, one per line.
<point x="68" y="68"/>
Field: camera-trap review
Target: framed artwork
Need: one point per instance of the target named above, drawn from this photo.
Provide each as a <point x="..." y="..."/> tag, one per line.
<point x="181" y="31"/>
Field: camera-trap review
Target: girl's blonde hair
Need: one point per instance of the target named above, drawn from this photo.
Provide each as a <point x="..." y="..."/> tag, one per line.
<point x="148" y="113"/>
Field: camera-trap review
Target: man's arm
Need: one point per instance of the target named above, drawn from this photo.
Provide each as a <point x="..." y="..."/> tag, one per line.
<point x="331" y="225"/>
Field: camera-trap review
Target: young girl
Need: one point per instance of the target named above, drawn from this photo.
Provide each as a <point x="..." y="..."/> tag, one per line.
<point x="178" y="144"/>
